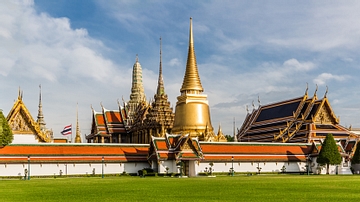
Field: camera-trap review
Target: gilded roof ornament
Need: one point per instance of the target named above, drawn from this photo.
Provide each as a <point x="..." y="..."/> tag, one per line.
<point x="191" y="79"/>
<point x="316" y="90"/>
<point x="326" y="92"/>
<point x="307" y="88"/>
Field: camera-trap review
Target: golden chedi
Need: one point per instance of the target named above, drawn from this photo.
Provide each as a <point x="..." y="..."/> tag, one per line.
<point x="192" y="113"/>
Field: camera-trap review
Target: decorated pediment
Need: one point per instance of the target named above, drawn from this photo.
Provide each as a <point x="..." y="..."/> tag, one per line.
<point x="20" y="125"/>
<point x="325" y="114"/>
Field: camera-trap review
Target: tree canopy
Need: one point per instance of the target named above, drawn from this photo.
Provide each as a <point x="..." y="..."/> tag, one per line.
<point x="6" y="136"/>
<point x="356" y="158"/>
<point x="329" y="153"/>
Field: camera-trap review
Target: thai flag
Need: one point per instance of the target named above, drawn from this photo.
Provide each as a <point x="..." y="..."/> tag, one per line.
<point x="66" y="130"/>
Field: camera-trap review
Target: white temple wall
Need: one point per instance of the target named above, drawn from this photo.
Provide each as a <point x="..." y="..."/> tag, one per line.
<point x="244" y="167"/>
<point x="49" y="169"/>
<point x="343" y="168"/>
<point x="170" y="164"/>
<point x="24" y="139"/>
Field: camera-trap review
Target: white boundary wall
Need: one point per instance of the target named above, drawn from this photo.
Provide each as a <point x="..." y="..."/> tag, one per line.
<point x="43" y="169"/>
<point x="252" y="167"/>
<point x="195" y="167"/>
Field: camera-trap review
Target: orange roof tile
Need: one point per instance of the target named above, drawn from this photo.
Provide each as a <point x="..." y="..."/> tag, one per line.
<point x="255" y="149"/>
<point x="100" y="119"/>
<point x="113" y="117"/>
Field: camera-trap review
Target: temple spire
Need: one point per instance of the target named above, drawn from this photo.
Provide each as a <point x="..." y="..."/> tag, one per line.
<point x="235" y="137"/>
<point x="160" y="88"/>
<point x="137" y="90"/>
<point x="40" y="117"/>
<point x="191" y="81"/>
<point x="78" y="135"/>
<point x="192" y="113"/>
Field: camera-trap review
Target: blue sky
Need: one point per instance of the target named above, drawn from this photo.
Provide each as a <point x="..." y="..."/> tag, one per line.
<point x="83" y="51"/>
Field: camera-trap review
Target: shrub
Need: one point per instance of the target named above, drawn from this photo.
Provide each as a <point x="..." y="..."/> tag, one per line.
<point x="356" y="158"/>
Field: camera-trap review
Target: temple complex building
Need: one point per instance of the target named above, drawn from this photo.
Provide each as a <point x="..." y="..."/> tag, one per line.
<point x="192" y="113"/>
<point x="24" y="128"/>
<point x="109" y="126"/>
<point x="157" y="118"/>
<point x="282" y="137"/>
<point x="303" y="119"/>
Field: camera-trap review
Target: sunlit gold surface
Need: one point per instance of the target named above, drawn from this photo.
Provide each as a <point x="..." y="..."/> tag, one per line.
<point x="191" y="78"/>
<point x="192" y="113"/>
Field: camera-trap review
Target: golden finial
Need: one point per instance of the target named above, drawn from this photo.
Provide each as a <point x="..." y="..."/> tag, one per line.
<point x="316" y="90"/>
<point x="326" y="92"/>
<point x="247" y="108"/>
<point x="20" y="96"/>
<point x="137" y="58"/>
<point x="253" y="105"/>
<point x="307" y="88"/>
<point x="259" y="99"/>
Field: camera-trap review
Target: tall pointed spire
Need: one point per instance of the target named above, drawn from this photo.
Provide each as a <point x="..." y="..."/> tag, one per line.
<point x="160" y="88"/>
<point x="78" y="135"/>
<point x="192" y="113"/>
<point x="40" y="117"/>
<point x="191" y="79"/>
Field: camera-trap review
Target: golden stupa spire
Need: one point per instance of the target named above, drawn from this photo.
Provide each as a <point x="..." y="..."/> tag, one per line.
<point x="191" y="79"/>
<point x="78" y="135"/>
<point x="192" y="113"/>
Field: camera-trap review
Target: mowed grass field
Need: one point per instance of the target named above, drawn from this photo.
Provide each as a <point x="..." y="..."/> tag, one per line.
<point x="239" y="188"/>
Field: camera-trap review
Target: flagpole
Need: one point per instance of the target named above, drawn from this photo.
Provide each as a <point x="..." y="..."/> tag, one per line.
<point x="71" y="134"/>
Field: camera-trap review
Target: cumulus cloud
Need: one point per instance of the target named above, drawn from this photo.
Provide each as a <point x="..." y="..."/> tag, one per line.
<point x="323" y="78"/>
<point x="294" y="63"/>
<point x="37" y="45"/>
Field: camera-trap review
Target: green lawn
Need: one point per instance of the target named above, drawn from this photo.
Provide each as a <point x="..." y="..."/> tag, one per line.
<point x="240" y="188"/>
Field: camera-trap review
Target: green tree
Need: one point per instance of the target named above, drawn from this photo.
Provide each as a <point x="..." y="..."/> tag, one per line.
<point x="6" y="136"/>
<point x="356" y="158"/>
<point x="229" y="138"/>
<point x="329" y="153"/>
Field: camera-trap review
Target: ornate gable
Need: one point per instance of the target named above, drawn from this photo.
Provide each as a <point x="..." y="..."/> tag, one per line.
<point x="22" y="123"/>
<point x="325" y="114"/>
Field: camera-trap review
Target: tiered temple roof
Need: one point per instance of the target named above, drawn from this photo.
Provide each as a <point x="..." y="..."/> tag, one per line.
<point x="108" y="126"/>
<point x="303" y="119"/>
<point x="175" y="147"/>
<point x="68" y="153"/>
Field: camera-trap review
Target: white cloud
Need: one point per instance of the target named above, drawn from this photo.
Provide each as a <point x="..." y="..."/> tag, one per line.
<point x="46" y="47"/>
<point x="175" y="62"/>
<point x="324" y="78"/>
<point x="294" y="63"/>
